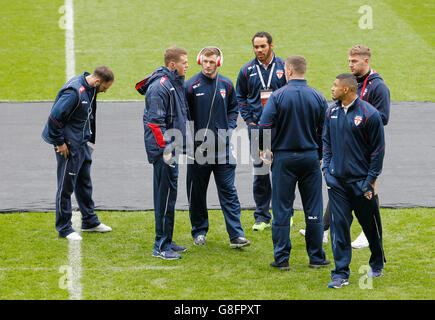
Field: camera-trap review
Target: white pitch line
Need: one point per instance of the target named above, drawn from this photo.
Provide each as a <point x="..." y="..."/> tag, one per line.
<point x="75" y="260"/>
<point x="69" y="40"/>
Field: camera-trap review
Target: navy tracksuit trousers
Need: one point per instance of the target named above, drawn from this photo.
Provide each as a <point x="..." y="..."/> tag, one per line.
<point x="261" y="187"/>
<point x="303" y="168"/>
<point x="165" y="195"/>
<point x="343" y="198"/>
<point x="74" y="175"/>
<point x="198" y="177"/>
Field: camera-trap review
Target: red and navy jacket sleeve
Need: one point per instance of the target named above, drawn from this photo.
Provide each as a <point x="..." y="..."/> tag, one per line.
<point x="242" y="92"/>
<point x="59" y="114"/>
<point x="376" y="139"/>
<point x="326" y="141"/>
<point x="156" y="108"/>
<point x="380" y="99"/>
<point x="233" y="107"/>
<point x="267" y="120"/>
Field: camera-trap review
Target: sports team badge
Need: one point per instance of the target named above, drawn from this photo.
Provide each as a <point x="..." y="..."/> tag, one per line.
<point x="357" y="120"/>
<point x="223" y="93"/>
<point x="279" y="73"/>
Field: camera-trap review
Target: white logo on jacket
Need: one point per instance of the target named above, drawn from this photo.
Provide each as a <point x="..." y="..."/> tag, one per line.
<point x="357" y="120"/>
<point x="223" y="93"/>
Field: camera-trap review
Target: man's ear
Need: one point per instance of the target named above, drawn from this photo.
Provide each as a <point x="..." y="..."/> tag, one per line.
<point x="97" y="82"/>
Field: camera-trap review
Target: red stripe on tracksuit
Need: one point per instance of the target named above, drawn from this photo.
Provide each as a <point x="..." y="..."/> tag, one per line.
<point x="157" y="134"/>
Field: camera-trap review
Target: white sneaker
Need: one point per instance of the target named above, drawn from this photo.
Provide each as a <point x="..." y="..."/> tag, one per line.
<point x="302" y="232"/>
<point x="325" y="236"/>
<point x="74" y="236"/>
<point x="100" y="228"/>
<point x="360" y="242"/>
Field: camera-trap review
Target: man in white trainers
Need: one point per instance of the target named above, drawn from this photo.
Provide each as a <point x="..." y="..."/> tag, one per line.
<point x="70" y="128"/>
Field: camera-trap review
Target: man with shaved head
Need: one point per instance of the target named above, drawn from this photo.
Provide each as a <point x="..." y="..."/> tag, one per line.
<point x="353" y="153"/>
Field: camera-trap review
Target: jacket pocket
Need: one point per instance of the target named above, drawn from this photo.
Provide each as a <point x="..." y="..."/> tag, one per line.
<point x="330" y="180"/>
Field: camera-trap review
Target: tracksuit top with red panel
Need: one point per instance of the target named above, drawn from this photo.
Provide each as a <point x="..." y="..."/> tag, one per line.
<point x="165" y="108"/>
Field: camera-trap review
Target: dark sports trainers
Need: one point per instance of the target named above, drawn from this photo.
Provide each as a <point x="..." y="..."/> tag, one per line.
<point x="239" y="242"/>
<point x="281" y="266"/>
<point x="166" y="255"/>
<point x="338" y="283"/>
<point x="199" y="240"/>
<point x="321" y="264"/>
<point x="175" y="247"/>
<point x="374" y="273"/>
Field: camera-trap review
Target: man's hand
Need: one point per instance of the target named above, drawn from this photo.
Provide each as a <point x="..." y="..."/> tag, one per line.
<point x="369" y="194"/>
<point x="266" y="156"/>
<point x="63" y="150"/>
<point x="167" y="157"/>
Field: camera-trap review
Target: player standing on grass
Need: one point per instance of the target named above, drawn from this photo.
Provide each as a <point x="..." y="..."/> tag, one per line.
<point x="213" y="109"/>
<point x="371" y="88"/>
<point x="353" y="153"/>
<point x="71" y="129"/>
<point x="297" y="112"/>
<point x="165" y="109"/>
<point x="256" y="81"/>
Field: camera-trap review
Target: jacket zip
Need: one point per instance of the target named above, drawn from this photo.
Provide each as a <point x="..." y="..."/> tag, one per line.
<point x="89" y="113"/>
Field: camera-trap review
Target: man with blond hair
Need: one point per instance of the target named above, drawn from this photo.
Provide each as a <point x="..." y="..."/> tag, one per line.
<point x="165" y="109"/>
<point x="371" y="88"/>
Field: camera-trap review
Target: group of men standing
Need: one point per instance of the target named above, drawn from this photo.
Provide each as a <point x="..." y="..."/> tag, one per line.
<point x="196" y="117"/>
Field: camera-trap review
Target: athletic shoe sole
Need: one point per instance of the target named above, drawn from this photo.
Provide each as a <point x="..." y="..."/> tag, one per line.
<point x="238" y="245"/>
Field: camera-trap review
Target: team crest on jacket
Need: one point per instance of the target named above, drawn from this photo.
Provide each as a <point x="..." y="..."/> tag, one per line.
<point x="223" y="93"/>
<point x="82" y="88"/>
<point x="162" y="80"/>
<point x="357" y="120"/>
<point x="279" y="73"/>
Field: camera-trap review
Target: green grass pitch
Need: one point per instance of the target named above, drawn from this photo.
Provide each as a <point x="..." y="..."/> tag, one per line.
<point x="131" y="40"/>
<point x="119" y="265"/>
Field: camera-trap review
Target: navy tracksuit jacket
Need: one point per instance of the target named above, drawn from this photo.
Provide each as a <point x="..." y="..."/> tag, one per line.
<point x="248" y="97"/>
<point x="353" y="153"/>
<point x="376" y="93"/>
<point x="165" y="108"/>
<point x="212" y="105"/>
<point x="72" y="121"/>
<point x="297" y="112"/>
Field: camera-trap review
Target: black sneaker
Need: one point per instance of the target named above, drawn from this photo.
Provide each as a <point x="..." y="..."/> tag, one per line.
<point x="281" y="266"/>
<point x="239" y="242"/>
<point x="321" y="264"/>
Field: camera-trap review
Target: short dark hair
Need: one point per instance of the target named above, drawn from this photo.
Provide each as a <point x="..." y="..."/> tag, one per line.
<point x="262" y="34"/>
<point x="104" y="74"/>
<point x="298" y="63"/>
<point x="173" y="54"/>
<point x="349" y="80"/>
